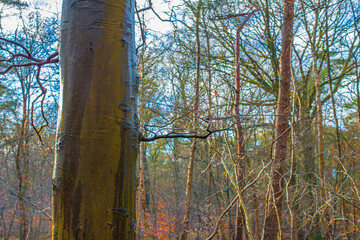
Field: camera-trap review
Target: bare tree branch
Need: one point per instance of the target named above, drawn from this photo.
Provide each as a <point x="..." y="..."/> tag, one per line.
<point x="32" y="61"/>
<point x="179" y="135"/>
<point x="150" y="7"/>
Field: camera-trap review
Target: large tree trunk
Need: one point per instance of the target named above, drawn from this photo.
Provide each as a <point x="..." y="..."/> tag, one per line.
<point x="272" y="227"/>
<point x="94" y="180"/>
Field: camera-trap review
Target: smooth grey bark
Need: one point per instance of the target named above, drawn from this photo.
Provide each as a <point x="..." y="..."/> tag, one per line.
<point x="94" y="180"/>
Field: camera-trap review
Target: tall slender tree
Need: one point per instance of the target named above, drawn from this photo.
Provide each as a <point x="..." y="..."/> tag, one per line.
<point x="272" y="227"/>
<point x="189" y="183"/>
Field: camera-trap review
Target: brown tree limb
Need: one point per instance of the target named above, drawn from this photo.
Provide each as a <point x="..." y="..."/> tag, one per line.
<point x="228" y="16"/>
<point x="33" y="61"/>
<point x="177" y="135"/>
<point x="150" y="7"/>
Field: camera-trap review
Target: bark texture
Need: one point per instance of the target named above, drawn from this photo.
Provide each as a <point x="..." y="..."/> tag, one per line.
<point x="94" y="181"/>
<point x="272" y="228"/>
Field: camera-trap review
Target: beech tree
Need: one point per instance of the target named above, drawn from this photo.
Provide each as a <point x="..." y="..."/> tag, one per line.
<point x="94" y="180"/>
<point x="272" y="228"/>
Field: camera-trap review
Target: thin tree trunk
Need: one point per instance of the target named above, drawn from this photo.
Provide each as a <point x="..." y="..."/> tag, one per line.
<point x="240" y="161"/>
<point x="207" y="146"/>
<point x="142" y="158"/>
<point x="94" y="180"/>
<point x="142" y="190"/>
<point x="240" y="157"/>
<point x="177" y="227"/>
<point x="292" y="179"/>
<point x="184" y="234"/>
<point x="272" y="227"/>
<point x="338" y="138"/>
<point x="320" y="128"/>
<point x="21" y="179"/>
<point x="22" y="161"/>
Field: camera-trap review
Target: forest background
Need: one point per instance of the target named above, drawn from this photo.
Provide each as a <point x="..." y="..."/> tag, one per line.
<point x="187" y="87"/>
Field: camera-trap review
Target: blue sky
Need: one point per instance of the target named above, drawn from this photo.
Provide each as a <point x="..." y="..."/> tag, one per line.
<point x="53" y="7"/>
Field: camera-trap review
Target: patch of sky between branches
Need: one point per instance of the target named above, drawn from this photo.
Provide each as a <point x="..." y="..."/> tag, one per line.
<point x="50" y="8"/>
